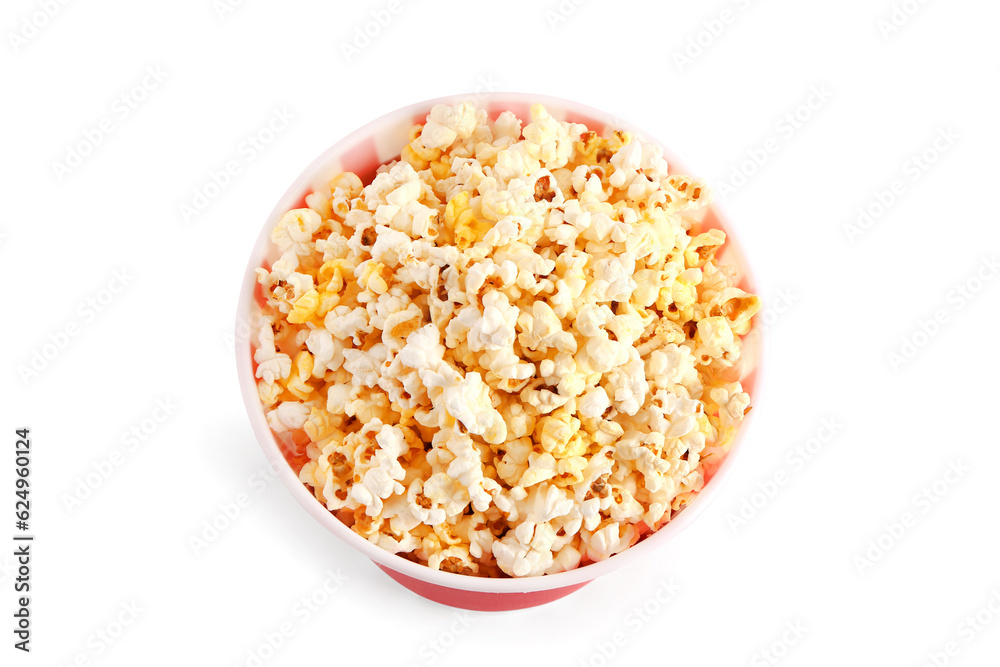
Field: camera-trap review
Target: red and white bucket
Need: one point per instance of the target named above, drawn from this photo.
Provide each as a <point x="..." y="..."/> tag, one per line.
<point x="362" y="152"/>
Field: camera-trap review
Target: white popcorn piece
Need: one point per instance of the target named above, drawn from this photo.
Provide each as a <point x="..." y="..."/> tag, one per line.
<point x="507" y="230"/>
<point x="466" y="469"/>
<point x="495" y="329"/>
<point x="548" y="140"/>
<point x="628" y="384"/>
<point x="327" y="351"/>
<point x="543" y="503"/>
<point x="446" y="493"/>
<point x="540" y="468"/>
<point x="346" y="323"/>
<point x="446" y="123"/>
<point x="609" y="540"/>
<point x="296" y="229"/>
<point x="525" y="551"/>
<point x="407" y="512"/>
<point x="594" y="403"/>
<point x="365" y="365"/>
<point x="469" y="402"/>
<point x="271" y="364"/>
<point x="382" y="478"/>
<point x="288" y="416"/>
<point x="391" y="247"/>
<point x="717" y="341"/>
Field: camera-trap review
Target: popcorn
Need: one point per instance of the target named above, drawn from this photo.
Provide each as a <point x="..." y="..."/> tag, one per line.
<point x="609" y="540"/>
<point x="296" y="229"/>
<point x="272" y="365"/>
<point x="391" y="247"/>
<point x="717" y="342"/>
<point x="381" y="479"/>
<point x="298" y="379"/>
<point x="495" y="329"/>
<point x="289" y="416"/>
<point x="594" y="403"/>
<point x="446" y="124"/>
<point x="469" y="402"/>
<point x="345" y="323"/>
<point x="509" y="350"/>
<point x="364" y="365"/>
<point x="525" y="551"/>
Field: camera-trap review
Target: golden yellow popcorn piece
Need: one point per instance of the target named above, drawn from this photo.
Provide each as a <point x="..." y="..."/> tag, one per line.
<point x="409" y="156"/>
<point x="349" y="182"/>
<point x="424" y="153"/>
<point x="304" y="307"/>
<point x="559" y="434"/>
<point x="297" y="383"/>
<point x="365" y="525"/>
<point x="455" y="207"/>
<point x="618" y="139"/>
<point x="468" y="230"/>
<point x="739" y="310"/>
<point x="587" y="147"/>
<point x="570" y="469"/>
<point x="462" y="221"/>
<point x="268" y="393"/>
<point x="440" y="170"/>
<point x="327" y="302"/>
<point x="703" y="247"/>
<point x="319" y="425"/>
<point x="374" y="277"/>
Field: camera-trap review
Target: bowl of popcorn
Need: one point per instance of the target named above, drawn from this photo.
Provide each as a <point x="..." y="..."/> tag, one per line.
<point x="501" y="347"/>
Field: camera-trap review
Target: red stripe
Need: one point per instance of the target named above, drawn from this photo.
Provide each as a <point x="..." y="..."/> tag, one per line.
<point x="479" y="600"/>
<point x="362" y="159"/>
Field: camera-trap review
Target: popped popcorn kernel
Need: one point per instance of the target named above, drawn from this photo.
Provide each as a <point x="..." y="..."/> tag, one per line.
<point x="304" y="307"/>
<point x="512" y="352"/>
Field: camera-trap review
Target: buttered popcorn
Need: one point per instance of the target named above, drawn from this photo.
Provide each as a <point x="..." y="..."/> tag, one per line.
<point x="510" y="354"/>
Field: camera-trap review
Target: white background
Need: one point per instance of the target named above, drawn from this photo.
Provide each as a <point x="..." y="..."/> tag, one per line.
<point x="847" y="301"/>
